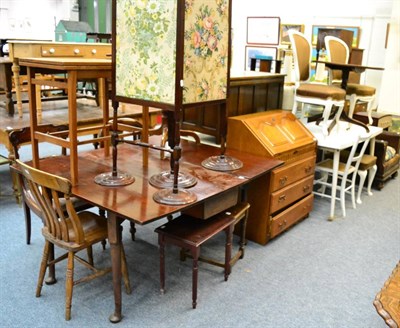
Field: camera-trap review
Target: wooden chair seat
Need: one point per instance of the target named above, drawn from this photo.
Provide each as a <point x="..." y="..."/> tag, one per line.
<point x="190" y="233"/>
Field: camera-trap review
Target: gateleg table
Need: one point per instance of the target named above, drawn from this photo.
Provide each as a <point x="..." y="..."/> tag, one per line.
<point x="135" y="201"/>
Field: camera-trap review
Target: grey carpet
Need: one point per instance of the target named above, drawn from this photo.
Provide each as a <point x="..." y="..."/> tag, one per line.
<point x="317" y="274"/>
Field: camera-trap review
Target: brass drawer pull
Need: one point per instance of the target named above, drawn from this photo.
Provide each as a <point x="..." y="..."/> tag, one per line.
<point x="283" y="180"/>
<point x="306" y="188"/>
<point x="282" y="198"/>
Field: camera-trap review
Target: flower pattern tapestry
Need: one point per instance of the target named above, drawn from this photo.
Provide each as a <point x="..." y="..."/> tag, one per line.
<point x="146" y="50"/>
<point x="146" y="44"/>
<point x="206" y="50"/>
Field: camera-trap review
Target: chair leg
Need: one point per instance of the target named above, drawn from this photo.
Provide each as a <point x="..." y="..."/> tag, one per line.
<point x="51" y="278"/>
<point x="90" y="255"/>
<point x="352" y="105"/>
<point x="369" y="111"/>
<point x="69" y="285"/>
<point x="43" y="266"/>
<point x="132" y="230"/>
<point x="343" y="195"/>
<point x="371" y="177"/>
<point x="353" y="190"/>
<point x="363" y="175"/>
<point x="28" y="225"/>
<point x="124" y="270"/>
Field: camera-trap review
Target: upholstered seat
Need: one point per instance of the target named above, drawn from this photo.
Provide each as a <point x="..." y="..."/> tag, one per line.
<point x="338" y="52"/>
<point x="327" y="96"/>
<point x="319" y="91"/>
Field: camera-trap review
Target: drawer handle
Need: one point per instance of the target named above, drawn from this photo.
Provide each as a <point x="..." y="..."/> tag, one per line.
<point x="52" y="50"/>
<point x="308" y="169"/>
<point x="76" y="51"/>
<point x="282" y="198"/>
<point x="306" y="188"/>
<point x="283" y="180"/>
<point x="282" y="225"/>
<point x="94" y="51"/>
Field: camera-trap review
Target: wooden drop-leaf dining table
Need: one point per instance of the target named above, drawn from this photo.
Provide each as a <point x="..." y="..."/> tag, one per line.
<point x="135" y="202"/>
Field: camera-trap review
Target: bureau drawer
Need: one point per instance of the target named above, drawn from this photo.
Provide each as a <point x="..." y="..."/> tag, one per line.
<point x="291" y="193"/>
<point x="287" y="174"/>
<point x="290" y="216"/>
<point x="79" y="51"/>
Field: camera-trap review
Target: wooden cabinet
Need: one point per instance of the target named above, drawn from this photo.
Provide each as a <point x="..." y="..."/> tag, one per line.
<point x="284" y="197"/>
<point x="249" y="92"/>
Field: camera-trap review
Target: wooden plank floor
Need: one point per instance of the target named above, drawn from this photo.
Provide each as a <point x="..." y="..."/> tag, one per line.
<point x="56" y="112"/>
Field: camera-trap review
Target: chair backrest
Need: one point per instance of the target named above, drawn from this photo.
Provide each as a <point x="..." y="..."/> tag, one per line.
<point x="23" y="136"/>
<point x="48" y="189"/>
<point x="301" y="55"/>
<point x="338" y="52"/>
<point x="356" y="153"/>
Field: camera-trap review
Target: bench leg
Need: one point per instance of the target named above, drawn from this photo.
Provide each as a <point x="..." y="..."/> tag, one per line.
<point x="228" y="251"/>
<point x="242" y="241"/>
<point x="195" y="254"/>
<point x="162" y="263"/>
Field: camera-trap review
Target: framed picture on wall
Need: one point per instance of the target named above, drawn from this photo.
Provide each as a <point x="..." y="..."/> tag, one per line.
<point x="263" y="30"/>
<point x="258" y="51"/>
<point x="354" y="29"/>
<point x="285" y="28"/>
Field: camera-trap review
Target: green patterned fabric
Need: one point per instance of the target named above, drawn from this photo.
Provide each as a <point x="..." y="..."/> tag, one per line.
<point x="146" y="50"/>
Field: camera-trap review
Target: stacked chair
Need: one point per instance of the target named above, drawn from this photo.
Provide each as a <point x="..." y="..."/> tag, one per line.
<point x="312" y="93"/>
<point x="338" y="52"/>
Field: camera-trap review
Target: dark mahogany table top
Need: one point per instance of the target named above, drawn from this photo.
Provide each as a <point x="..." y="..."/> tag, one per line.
<point x="135" y="201"/>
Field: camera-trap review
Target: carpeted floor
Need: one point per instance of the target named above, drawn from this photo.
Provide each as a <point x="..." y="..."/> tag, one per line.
<point x="317" y="274"/>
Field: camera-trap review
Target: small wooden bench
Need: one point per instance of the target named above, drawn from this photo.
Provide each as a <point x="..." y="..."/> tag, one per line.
<point x="190" y="233"/>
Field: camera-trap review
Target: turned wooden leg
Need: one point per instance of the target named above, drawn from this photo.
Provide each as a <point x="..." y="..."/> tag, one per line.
<point x="228" y="251"/>
<point x="43" y="266"/>
<point x="16" y="69"/>
<point x="161" y="245"/>
<point x="28" y="225"/>
<point x="69" y="285"/>
<point x="195" y="254"/>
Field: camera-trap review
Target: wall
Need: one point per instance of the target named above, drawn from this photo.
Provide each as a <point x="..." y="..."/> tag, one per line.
<point x="34" y="19"/>
<point x="21" y="19"/>
<point x="372" y="16"/>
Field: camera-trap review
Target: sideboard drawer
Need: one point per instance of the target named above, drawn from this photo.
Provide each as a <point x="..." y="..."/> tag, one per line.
<point x="284" y="176"/>
<point x="291" y="215"/>
<point x="291" y="193"/>
<point x="79" y="51"/>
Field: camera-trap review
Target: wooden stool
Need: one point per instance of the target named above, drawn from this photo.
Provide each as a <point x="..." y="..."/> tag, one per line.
<point x="190" y="233"/>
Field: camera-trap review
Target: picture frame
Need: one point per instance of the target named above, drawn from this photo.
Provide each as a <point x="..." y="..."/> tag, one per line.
<point x="354" y="29"/>
<point x="263" y="30"/>
<point x="252" y="51"/>
<point x="285" y="28"/>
